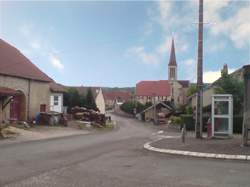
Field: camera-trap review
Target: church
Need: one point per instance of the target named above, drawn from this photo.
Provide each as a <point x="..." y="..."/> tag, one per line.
<point x="164" y="90"/>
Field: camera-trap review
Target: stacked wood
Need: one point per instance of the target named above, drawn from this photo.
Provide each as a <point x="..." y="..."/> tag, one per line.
<point x="96" y="118"/>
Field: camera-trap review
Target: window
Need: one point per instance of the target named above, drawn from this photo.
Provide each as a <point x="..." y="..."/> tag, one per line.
<point x="56" y="100"/>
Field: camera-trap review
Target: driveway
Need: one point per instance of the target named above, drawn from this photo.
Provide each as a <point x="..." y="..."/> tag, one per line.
<point x="114" y="158"/>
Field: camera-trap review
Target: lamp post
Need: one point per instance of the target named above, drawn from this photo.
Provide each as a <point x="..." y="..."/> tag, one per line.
<point x="198" y="121"/>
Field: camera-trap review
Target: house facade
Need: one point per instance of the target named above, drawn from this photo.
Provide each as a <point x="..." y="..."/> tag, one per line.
<point x="164" y="90"/>
<point x="30" y="84"/>
<point x="113" y="98"/>
<point x="210" y="90"/>
<point x="56" y="97"/>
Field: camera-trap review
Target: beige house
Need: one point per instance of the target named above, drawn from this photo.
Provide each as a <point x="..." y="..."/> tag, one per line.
<point x="210" y="90"/>
<point x="164" y="90"/>
<point x="29" y="89"/>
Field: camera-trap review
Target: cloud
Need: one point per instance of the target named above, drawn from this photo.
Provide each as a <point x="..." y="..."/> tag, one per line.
<point x="146" y="57"/>
<point x="211" y="76"/>
<point x="56" y="62"/>
<point x="236" y="27"/>
<point x="35" y="44"/>
<point x="39" y="45"/>
<point x="190" y="69"/>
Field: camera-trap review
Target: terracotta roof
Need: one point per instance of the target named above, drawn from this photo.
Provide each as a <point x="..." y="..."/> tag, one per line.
<point x="153" y="88"/>
<point x="172" y="59"/>
<point x="184" y="83"/>
<point x="14" y="63"/>
<point x="55" y="87"/>
<point x="7" y="91"/>
<point x="113" y="95"/>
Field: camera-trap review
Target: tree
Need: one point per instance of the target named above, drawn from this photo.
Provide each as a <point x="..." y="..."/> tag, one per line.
<point x="230" y="85"/>
<point x="90" y="100"/>
<point x="191" y="90"/>
<point x="71" y="98"/>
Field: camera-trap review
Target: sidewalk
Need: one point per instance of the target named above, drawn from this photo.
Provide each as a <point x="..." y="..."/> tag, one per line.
<point x="41" y="133"/>
<point x="208" y="148"/>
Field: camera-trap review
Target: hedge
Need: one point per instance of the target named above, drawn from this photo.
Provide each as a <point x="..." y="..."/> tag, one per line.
<point x="190" y="123"/>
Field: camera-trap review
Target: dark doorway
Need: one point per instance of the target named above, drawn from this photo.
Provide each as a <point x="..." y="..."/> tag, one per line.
<point x="17" y="107"/>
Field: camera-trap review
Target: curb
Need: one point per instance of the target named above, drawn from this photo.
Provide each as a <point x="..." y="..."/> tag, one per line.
<point x="195" y="154"/>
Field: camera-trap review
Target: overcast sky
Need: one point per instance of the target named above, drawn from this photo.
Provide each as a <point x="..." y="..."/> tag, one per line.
<point x="121" y="43"/>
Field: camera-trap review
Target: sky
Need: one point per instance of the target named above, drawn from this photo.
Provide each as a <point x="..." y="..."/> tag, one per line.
<point x="119" y="43"/>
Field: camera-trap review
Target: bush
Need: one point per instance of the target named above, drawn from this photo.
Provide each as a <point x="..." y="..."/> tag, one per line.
<point x="189" y="121"/>
<point x="237" y="124"/>
<point x="129" y="106"/>
<point x="176" y="120"/>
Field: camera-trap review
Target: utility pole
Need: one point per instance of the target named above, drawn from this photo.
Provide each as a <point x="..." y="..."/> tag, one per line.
<point x="155" y="121"/>
<point x="246" y="121"/>
<point x="198" y="121"/>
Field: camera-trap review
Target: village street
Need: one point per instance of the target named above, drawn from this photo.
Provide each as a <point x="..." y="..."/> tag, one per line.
<point x="114" y="158"/>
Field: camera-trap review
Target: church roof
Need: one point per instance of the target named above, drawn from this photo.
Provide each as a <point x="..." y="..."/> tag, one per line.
<point x="184" y="83"/>
<point x="172" y="59"/>
<point x="153" y="88"/>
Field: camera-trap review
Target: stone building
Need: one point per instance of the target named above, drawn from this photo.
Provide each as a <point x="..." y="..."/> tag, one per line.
<point x="24" y="88"/>
<point x="164" y="90"/>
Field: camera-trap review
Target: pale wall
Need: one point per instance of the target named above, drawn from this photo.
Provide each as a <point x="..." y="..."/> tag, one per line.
<point x="39" y="93"/>
<point x="207" y="98"/>
<point x="100" y="102"/>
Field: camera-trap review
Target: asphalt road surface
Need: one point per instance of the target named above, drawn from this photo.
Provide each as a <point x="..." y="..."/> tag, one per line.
<point x="112" y="159"/>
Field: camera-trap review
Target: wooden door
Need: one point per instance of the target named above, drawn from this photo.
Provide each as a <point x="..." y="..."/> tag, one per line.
<point x="15" y="108"/>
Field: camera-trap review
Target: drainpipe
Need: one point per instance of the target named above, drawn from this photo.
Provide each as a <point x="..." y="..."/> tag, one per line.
<point x="28" y="102"/>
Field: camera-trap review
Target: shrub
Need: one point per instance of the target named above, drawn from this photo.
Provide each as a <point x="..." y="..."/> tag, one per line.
<point x="189" y="121"/>
<point x="237" y="124"/>
<point x="129" y="106"/>
<point x="176" y="120"/>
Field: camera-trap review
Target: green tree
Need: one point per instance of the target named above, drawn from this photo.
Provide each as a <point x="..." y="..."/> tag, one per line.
<point x="90" y="100"/>
<point x="82" y="101"/>
<point x="191" y="90"/>
<point x="71" y="98"/>
<point x="230" y="85"/>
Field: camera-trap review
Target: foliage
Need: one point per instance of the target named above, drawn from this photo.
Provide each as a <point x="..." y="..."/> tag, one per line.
<point x="90" y="100"/>
<point x="72" y="98"/>
<point x="176" y="120"/>
<point x="188" y="109"/>
<point x="230" y="85"/>
<point x="191" y="90"/>
<point x="129" y="106"/>
<point x="188" y="120"/>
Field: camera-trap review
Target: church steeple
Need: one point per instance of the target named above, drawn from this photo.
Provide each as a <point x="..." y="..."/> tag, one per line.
<point x="172" y="65"/>
<point x="172" y="59"/>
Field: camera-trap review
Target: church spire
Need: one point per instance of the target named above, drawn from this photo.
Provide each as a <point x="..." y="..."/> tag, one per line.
<point x="172" y="59"/>
<point x="172" y="65"/>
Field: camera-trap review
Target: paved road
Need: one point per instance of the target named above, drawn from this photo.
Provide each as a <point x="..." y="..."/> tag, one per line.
<point x="112" y="159"/>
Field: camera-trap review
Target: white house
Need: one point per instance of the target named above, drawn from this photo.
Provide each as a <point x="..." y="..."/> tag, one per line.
<point x="56" y="97"/>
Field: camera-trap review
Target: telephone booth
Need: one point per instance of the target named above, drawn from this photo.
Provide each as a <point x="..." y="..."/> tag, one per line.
<point x="222" y="115"/>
